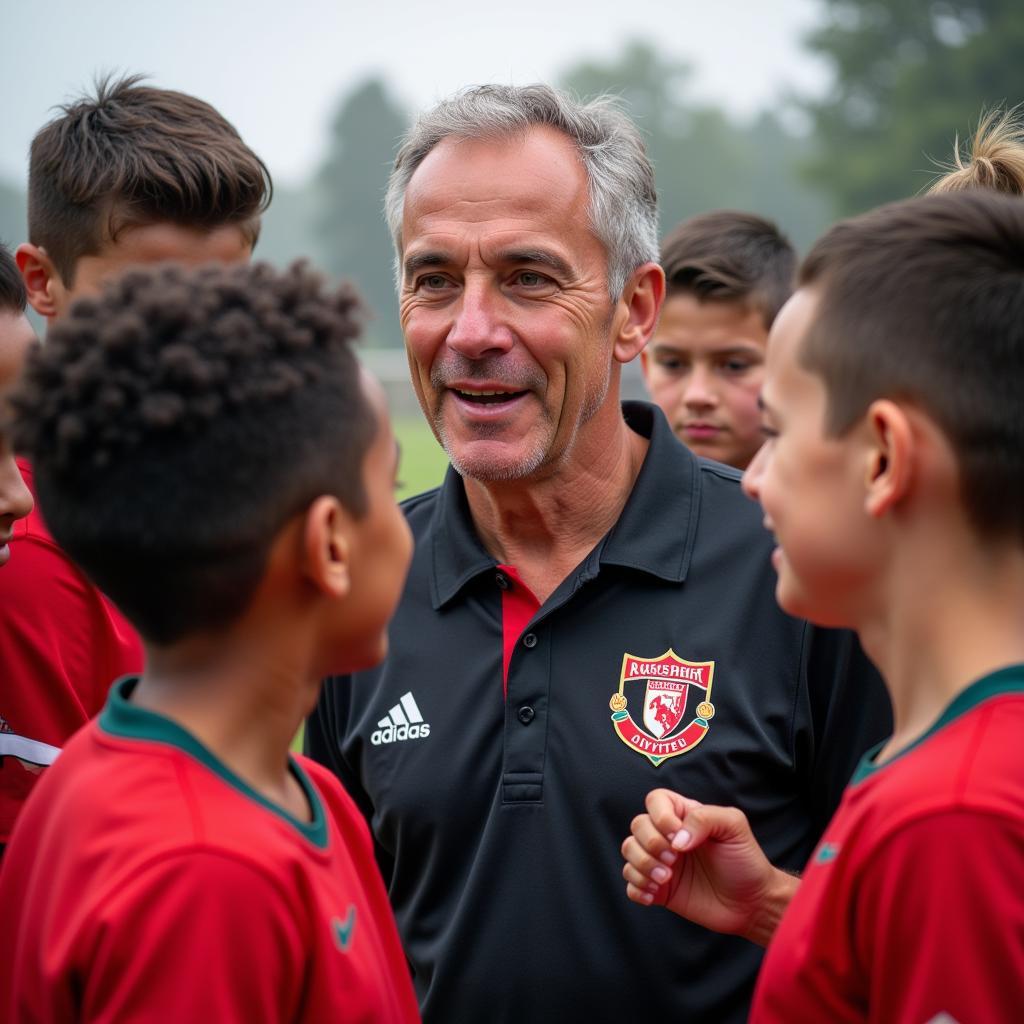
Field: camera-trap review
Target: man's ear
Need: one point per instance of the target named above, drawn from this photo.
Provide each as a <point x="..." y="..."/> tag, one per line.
<point x="636" y="313"/>
<point x="327" y="547"/>
<point x="889" y="463"/>
<point x="42" y="282"/>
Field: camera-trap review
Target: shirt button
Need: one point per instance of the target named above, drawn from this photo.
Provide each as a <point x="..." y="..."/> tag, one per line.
<point x="526" y="714"/>
<point x="530" y="640"/>
<point x="502" y="580"/>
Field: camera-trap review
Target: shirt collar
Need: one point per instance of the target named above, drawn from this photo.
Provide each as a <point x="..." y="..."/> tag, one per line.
<point x="654" y="534"/>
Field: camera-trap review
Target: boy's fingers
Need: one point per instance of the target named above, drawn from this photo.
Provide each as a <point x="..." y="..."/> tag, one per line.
<point x="705" y="821"/>
<point x="641" y="896"/>
<point x="651" y="839"/>
<point x="644" y="863"/>
<point x="666" y="810"/>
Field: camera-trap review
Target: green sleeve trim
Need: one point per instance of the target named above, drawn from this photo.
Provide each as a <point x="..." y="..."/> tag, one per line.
<point x="121" y="718"/>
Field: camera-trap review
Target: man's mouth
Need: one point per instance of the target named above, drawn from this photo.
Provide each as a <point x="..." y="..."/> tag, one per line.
<point x="482" y="396"/>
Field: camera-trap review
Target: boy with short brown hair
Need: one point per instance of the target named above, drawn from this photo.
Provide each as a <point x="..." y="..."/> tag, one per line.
<point x="727" y="274"/>
<point x="893" y="479"/>
<point x="129" y="175"/>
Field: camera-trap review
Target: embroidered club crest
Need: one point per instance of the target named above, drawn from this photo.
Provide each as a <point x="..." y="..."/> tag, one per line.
<point x="670" y="696"/>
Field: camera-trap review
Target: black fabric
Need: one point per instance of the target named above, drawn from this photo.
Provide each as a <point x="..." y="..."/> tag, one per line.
<point x="498" y="833"/>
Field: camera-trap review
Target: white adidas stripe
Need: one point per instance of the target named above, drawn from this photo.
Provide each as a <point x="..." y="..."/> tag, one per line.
<point x="405" y="712"/>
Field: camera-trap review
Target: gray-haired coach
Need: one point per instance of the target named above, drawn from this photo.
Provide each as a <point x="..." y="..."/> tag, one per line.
<point x="590" y="610"/>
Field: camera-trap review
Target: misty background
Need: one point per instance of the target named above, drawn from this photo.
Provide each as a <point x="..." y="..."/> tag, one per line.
<point x="800" y="110"/>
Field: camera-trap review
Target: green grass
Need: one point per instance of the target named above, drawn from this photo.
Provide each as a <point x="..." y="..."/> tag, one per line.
<point x="423" y="461"/>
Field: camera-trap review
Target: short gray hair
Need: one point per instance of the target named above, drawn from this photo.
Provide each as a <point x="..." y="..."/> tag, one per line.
<point x="623" y="200"/>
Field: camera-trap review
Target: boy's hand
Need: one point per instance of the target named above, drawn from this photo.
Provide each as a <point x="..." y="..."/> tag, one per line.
<point x="703" y="863"/>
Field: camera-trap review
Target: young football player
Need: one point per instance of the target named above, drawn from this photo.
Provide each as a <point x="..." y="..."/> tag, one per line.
<point x="206" y="448"/>
<point x="727" y="274"/>
<point x="131" y="174"/>
<point x="893" y="480"/>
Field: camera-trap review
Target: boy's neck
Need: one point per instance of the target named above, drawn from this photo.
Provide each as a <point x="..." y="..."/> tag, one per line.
<point x="946" y="620"/>
<point x="241" y="701"/>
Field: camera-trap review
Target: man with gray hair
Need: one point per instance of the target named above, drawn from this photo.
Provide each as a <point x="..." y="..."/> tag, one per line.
<point x="590" y="609"/>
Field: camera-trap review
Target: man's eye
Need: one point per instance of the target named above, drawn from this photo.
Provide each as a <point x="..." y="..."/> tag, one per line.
<point x="530" y="278"/>
<point x="432" y="281"/>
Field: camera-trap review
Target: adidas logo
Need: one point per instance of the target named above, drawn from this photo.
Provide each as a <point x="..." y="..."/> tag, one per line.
<point x="402" y="722"/>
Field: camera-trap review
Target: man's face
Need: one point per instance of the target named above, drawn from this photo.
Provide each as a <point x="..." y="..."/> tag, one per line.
<point x="810" y="485"/>
<point x="704" y="367"/>
<point x="504" y="302"/>
<point x="151" y="243"/>
<point x="16" y="338"/>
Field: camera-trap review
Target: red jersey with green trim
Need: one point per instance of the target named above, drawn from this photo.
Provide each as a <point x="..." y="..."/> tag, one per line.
<point x="62" y="644"/>
<point x="912" y="907"/>
<point x="146" y="882"/>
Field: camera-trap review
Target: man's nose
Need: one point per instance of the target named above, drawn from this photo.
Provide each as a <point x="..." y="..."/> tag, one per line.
<point x="479" y="328"/>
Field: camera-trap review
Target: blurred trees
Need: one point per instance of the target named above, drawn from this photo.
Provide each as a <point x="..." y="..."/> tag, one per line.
<point x="908" y="76"/>
<point x="704" y="159"/>
<point x="349" y="202"/>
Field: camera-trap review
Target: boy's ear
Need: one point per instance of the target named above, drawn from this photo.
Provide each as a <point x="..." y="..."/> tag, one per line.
<point x="42" y="282"/>
<point x="890" y="457"/>
<point x="637" y="311"/>
<point x="327" y="547"/>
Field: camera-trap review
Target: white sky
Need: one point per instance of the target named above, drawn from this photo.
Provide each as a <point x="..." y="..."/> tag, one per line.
<point x="277" y="68"/>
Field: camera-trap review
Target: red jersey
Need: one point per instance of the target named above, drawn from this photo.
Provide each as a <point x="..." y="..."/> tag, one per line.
<point x="62" y="644"/>
<point x="912" y="906"/>
<point x="146" y="882"/>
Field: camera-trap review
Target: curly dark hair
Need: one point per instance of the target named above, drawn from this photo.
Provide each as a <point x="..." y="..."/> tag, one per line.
<point x="177" y="421"/>
<point x="730" y="256"/>
<point x="131" y="154"/>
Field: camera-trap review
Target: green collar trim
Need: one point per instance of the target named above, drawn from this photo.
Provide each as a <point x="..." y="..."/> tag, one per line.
<point x="1005" y="680"/>
<point x="122" y="718"/>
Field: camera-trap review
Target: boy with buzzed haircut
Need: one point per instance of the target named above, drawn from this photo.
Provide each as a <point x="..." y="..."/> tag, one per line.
<point x="893" y="479"/>
<point x="130" y="175"/>
<point x="727" y="274"/>
<point x="16" y="337"/>
<point x="206" y="447"/>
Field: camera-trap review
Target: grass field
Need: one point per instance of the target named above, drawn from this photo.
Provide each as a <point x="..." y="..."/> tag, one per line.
<point x="423" y="461"/>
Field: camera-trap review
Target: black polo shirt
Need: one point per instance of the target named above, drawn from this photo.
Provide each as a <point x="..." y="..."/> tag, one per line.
<point x="663" y="660"/>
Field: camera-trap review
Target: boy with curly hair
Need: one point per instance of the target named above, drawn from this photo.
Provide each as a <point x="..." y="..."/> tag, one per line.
<point x="207" y="449"/>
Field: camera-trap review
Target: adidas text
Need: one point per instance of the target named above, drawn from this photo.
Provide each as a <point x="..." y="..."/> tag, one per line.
<point x="403" y="722"/>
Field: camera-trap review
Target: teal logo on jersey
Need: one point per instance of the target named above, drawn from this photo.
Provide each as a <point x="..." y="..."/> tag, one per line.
<point x="344" y="930"/>
<point x="826" y="852"/>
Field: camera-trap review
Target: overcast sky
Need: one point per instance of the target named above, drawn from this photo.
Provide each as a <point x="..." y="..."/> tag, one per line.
<point x="276" y="68"/>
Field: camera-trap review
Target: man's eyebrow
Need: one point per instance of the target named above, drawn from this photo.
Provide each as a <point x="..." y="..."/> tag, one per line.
<point x="419" y="260"/>
<point x="542" y="256"/>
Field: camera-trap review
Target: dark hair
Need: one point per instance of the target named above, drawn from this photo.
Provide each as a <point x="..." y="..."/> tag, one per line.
<point x="133" y="155"/>
<point x="180" y="419"/>
<point x="923" y="301"/>
<point x="12" y="287"/>
<point x="730" y="256"/>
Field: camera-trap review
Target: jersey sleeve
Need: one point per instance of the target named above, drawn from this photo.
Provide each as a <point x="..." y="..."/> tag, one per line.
<point x="202" y="937"/>
<point x="844" y="711"/>
<point x="939" y="921"/>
